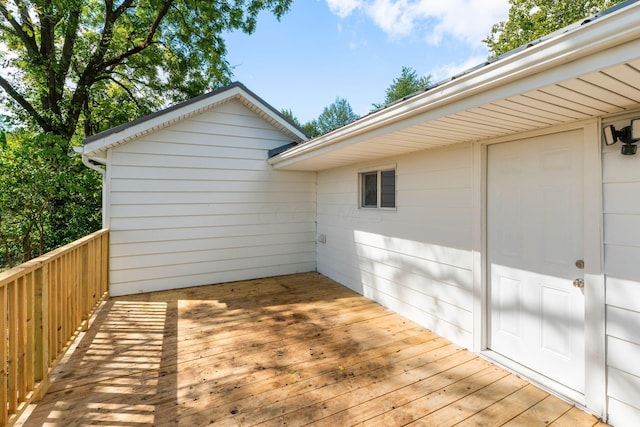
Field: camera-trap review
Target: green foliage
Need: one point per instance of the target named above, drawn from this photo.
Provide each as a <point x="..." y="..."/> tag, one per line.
<point x="289" y="115"/>
<point x="109" y="105"/>
<point x="333" y="116"/>
<point x="311" y="128"/>
<point x="404" y="85"/>
<point x="47" y="197"/>
<point x="531" y="19"/>
<point x="64" y="59"/>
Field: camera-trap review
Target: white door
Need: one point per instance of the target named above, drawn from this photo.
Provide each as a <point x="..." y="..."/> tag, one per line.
<point x="535" y="239"/>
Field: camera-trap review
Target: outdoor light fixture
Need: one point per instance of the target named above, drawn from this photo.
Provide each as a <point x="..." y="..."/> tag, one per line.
<point x="629" y="135"/>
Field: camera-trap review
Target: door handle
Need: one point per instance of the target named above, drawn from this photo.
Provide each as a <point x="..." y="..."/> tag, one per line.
<point x="578" y="283"/>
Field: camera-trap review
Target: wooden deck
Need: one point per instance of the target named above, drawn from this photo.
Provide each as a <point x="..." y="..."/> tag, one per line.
<point x="290" y="350"/>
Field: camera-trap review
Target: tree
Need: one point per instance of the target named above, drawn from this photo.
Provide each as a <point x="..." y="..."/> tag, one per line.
<point x="333" y="116"/>
<point x="35" y="176"/>
<point x="62" y="57"/>
<point x="310" y="127"/>
<point x="531" y="19"/>
<point x="290" y="116"/>
<point x="407" y="83"/>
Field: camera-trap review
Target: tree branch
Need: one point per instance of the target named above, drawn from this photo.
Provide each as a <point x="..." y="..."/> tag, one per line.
<point x="120" y="9"/>
<point x="108" y="4"/>
<point x="28" y="40"/>
<point x="126" y="89"/>
<point x="50" y="100"/>
<point x="125" y="77"/>
<point x="25" y="17"/>
<point x="151" y="32"/>
<point x="47" y="24"/>
<point x="97" y="65"/>
<point x="67" y="49"/>
<point x="46" y="126"/>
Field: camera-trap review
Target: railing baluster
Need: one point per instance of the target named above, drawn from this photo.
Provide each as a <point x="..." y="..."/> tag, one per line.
<point x="62" y="300"/>
<point x="85" y="277"/>
<point x="21" y="306"/>
<point x="57" y="307"/>
<point x="42" y="317"/>
<point x="31" y="349"/>
<point x="13" y="346"/>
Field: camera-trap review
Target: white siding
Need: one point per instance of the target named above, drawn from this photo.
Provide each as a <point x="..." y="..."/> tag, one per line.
<point x="197" y="203"/>
<point x="621" y="179"/>
<point x="417" y="259"/>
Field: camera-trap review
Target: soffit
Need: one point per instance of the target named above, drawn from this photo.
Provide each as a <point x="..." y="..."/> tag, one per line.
<point x="611" y="90"/>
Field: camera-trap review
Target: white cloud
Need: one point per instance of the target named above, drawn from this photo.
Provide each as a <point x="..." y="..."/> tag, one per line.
<point x="466" y="20"/>
<point x="394" y="17"/>
<point x="449" y="70"/>
<point x="434" y="20"/>
<point x="343" y="8"/>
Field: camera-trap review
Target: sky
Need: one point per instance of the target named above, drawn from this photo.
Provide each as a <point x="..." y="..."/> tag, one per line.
<point x="353" y="49"/>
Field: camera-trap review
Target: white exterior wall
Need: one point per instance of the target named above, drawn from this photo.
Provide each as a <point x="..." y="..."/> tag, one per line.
<point x="417" y="259"/>
<point x="196" y="203"/>
<point x="621" y="191"/>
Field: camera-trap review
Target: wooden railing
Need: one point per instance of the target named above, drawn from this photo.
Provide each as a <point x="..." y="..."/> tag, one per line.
<point x="44" y="304"/>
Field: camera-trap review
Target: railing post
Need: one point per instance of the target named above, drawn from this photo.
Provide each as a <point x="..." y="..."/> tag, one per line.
<point x="41" y="299"/>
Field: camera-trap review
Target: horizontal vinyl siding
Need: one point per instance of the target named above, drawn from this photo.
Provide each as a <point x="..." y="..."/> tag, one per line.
<point x="416" y="259"/>
<point x="621" y="192"/>
<point x="197" y="203"/>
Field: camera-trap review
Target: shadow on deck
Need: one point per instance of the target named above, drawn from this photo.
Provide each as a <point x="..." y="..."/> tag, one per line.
<point x="289" y="350"/>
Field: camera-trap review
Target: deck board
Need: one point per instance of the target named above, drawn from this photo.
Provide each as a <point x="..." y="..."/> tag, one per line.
<point x="290" y="350"/>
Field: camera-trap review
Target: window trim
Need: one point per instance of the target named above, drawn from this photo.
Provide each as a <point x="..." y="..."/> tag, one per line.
<point x="361" y="187"/>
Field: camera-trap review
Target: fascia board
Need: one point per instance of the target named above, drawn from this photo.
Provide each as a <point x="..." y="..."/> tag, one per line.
<point x="157" y="122"/>
<point x="282" y="122"/>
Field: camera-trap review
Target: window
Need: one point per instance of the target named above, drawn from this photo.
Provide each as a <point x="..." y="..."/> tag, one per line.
<point x="370" y="190"/>
<point x="378" y="189"/>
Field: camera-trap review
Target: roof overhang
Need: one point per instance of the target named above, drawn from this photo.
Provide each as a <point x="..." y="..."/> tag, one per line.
<point x="97" y="145"/>
<point x="589" y="70"/>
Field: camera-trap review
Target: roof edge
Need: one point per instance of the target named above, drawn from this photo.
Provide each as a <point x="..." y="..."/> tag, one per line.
<point x="160" y="119"/>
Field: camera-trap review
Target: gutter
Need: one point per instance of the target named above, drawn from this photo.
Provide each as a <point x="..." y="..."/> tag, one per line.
<point x="611" y="29"/>
<point x="92" y="163"/>
<point x="87" y="161"/>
